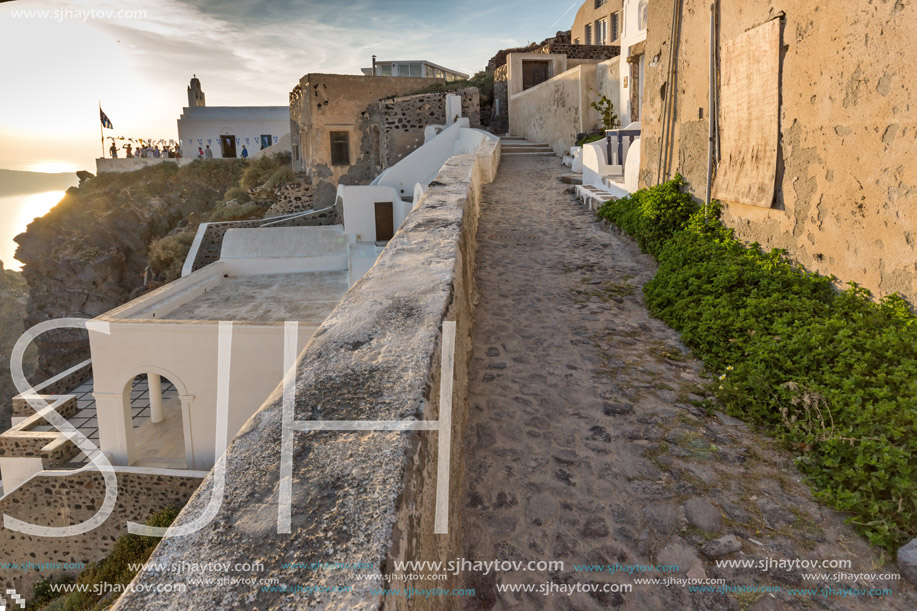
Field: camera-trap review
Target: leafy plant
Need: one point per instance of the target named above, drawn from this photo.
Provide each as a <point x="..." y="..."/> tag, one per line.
<point x="831" y="373"/>
<point x="167" y="255"/>
<point x="589" y="138"/>
<point x="114" y="570"/>
<point x="607" y="110"/>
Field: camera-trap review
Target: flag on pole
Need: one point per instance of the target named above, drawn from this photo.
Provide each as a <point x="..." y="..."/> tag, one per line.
<point x="106" y="123"/>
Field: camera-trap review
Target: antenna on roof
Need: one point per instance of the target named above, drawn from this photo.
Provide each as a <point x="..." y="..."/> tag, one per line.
<point x="374" y="65"/>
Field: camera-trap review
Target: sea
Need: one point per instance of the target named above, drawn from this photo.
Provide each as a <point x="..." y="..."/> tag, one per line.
<point x="25" y="196"/>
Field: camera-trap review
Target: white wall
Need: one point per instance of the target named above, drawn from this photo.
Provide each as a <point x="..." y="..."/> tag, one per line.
<point x="208" y="123"/>
<point x="360" y="210"/>
<point x="185" y="354"/>
<point x="18" y="469"/>
<point x="630" y="36"/>
<point x="422" y="165"/>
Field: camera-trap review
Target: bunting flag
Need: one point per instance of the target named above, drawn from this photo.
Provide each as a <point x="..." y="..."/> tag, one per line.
<point x="104" y="118"/>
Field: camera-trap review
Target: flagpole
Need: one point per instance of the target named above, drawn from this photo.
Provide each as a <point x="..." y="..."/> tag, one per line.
<point x="101" y="127"/>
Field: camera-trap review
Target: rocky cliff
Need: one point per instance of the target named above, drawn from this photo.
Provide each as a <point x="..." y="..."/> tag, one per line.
<point x="13" y="297"/>
<point x="89" y="253"/>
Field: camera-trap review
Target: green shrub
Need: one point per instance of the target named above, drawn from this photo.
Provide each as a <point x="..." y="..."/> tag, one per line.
<point x="217" y="174"/>
<point x="607" y="110"/>
<point x="237" y="194"/>
<point x="112" y="570"/>
<point x="280" y="177"/>
<point x="237" y="213"/>
<point x="589" y="139"/>
<point x="167" y="255"/>
<point x="831" y="373"/>
<point x="260" y="170"/>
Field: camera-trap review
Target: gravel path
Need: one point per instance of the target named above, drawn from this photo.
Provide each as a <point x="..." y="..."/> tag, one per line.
<point x="582" y="443"/>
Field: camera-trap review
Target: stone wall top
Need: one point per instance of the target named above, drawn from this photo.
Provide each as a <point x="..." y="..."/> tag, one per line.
<point x="374" y="358"/>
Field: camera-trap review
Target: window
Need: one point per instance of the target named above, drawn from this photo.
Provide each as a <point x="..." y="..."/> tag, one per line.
<point x="601" y="31"/>
<point x="588" y="34"/>
<point x="384" y="69"/>
<point x="600" y="3"/>
<point x="415" y="70"/>
<point x="642" y="14"/>
<point x="266" y="141"/>
<point x="615" y="31"/>
<point x="340" y="148"/>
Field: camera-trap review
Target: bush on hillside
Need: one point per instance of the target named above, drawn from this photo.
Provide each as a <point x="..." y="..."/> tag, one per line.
<point x="113" y="570"/>
<point x="167" y="255"/>
<point x="831" y="373"/>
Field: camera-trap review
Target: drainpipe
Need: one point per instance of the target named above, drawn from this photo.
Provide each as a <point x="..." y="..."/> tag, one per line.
<point x="374" y="65"/>
<point x="711" y="112"/>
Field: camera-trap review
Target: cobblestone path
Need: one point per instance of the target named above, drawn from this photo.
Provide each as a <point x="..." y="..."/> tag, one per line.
<point x="582" y="443"/>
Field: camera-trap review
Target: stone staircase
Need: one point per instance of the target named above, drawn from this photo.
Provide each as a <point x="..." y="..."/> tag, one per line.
<point x="515" y="146"/>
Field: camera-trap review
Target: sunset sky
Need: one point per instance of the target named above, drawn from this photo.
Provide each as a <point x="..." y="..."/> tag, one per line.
<point x="138" y="56"/>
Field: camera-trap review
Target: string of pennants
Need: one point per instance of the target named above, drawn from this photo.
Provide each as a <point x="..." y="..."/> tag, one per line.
<point x="191" y="141"/>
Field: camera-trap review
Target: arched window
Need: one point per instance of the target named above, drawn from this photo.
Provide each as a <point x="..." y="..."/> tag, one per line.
<point x="642" y="10"/>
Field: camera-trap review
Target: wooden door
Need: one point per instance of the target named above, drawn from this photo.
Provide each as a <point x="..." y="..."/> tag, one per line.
<point x="228" y="144"/>
<point x="534" y="73"/>
<point x="385" y="221"/>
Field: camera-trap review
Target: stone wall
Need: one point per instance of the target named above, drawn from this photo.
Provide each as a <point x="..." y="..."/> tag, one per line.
<point x="63" y="498"/>
<point x="400" y="122"/>
<point x="325" y="103"/>
<point x="499" y="121"/>
<point x="357" y="496"/>
<point x="594" y="52"/>
<point x="846" y="182"/>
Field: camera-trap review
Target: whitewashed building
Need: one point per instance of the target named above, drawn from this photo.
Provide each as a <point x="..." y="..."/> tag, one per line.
<point x="227" y="129"/>
<point x="416" y="68"/>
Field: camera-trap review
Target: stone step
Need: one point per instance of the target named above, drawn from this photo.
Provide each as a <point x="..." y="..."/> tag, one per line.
<point x="536" y="154"/>
<point x="527" y="149"/>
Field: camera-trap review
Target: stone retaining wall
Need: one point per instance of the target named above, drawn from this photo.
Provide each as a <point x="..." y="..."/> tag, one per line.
<point x="400" y="122"/>
<point x="357" y="497"/>
<point x="62" y="498"/>
<point x="58" y="385"/>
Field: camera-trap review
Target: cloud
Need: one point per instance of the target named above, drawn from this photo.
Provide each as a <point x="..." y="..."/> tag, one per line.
<point x="137" y="56"/>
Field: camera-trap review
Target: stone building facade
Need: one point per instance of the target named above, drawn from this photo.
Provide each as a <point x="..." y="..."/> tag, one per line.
<point x="845" y="185"/>
<point x="327" y="121"/>
<point x="396" y="125"/>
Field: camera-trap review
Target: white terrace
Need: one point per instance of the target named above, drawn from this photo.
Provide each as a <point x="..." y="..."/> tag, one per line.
<point x="264" y="278"/>
<point x="153" y="394"/>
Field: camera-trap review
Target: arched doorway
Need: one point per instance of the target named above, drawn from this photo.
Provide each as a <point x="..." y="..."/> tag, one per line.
<point x="158" y="423"/>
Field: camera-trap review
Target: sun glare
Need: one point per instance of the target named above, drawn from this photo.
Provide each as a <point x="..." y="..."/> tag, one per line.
<point x="37" y="204"/>
<point x="53" y="167"/>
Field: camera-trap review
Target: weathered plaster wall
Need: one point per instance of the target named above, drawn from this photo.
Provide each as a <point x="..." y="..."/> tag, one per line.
<point x="63" y="498"/>
<point x="589" y="14"/>
<point x="558" y="109"/>
<point x="357" y="497"/>
<point x="608" y="83"/>
<point x="846" y="184"/>
<point x="322" y="103"/>
<point x="400" y="122"/>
